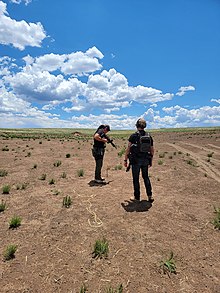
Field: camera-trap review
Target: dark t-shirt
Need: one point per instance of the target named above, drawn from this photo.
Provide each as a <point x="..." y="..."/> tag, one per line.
<point x="97" y="143"/>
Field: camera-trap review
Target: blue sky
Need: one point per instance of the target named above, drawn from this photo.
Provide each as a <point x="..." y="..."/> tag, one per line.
<point x="83" y="63"/>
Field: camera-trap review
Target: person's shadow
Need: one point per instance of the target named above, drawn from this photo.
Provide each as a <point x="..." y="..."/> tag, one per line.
<point x="93" y="183"/>
<point x="136" y="206"/>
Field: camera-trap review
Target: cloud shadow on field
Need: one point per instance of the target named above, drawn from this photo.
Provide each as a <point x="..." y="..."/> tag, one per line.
<point x="136" y="206"/>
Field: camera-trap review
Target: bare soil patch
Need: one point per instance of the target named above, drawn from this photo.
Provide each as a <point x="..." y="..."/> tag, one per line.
<point x="55" y="244"/>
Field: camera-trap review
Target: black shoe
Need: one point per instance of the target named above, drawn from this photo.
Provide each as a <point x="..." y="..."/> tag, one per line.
<point x="150" y="198"/>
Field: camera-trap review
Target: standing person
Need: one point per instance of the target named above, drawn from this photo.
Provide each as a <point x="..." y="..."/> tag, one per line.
<point x="140" y="152"/>
<point x="98" y="150"/>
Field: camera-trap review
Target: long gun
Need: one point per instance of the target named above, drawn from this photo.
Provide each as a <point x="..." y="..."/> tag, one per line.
<point x="110" y="141"/>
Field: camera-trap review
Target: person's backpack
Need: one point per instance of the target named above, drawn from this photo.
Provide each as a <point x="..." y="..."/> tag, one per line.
<point x="144" y="143"/>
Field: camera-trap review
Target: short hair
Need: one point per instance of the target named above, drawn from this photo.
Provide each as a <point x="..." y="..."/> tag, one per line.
<point x="141" y="123"/>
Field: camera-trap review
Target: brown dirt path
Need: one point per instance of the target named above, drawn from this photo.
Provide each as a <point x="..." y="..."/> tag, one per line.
<point x="210" y="170"/>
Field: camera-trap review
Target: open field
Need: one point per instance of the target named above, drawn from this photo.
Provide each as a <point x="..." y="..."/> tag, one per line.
<point x="55" y="244"/>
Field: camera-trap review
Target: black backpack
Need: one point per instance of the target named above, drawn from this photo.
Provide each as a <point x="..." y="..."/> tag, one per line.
<point x="144" y="143"/>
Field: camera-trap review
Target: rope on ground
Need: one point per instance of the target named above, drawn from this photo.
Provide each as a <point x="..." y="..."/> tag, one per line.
<point x="96" y="222"/>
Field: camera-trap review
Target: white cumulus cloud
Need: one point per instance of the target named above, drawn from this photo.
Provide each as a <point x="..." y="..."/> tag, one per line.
<point x="216" y="100"/>
<point x="183" y="89"/>
<point x="26" y="2"/>
<point x="19" y="34"/>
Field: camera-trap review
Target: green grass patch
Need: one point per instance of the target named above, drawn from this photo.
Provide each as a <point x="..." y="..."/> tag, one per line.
<point x="168" y="265"/>
<point x="101" y="249"/>
<point x="2" y="206"/>
<point x="67" y="201"/>
<point x="15" y="222"/>
<point x="6" y="189"/>
<point x="10" y="252"/>
<point x="3" y="173"/>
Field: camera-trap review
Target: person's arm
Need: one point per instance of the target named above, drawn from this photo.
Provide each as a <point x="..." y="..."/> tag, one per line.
<point x="152" y="151"/>
<point x="127" y="152"/>
<point x="151" y="156"/>
<point x="99" y="138"/>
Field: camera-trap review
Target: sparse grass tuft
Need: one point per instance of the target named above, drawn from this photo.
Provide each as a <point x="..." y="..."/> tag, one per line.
<point x="118" y="167"/>
<point x="119" y="289"/>
<point x="190" y="162"/>
<point x="43" y="177"/>
<point x="5" y="149"/>
<point x="168" y="265"/>
<point x="67" y="155"/>
<point x="161" y="155"/>
<point x="216" y="220"/>
<point x="57" y="163"/>
<point x="63" y="175"/>
<point x="10" y="252"/>
<point x="80" y="173"/>
<point x="52" y="181"/>
<point x="101" y="248"/>
<point x="2" y="206"/>
<point x="67" y="201"/>
<point x="22" y="186"/>
<point x="6" y="189"/>
<point x="121" y="153"/>
<point x="210" y="154"/>
<point x="15" y="222"/>
<point x="160" y="162"/>
<point x="3" y="173"/>
<point x="55" y="192"/>
<point x="83" y="289"/>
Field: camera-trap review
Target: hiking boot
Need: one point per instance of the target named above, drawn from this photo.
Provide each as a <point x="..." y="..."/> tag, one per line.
<point x="150" y="198"/>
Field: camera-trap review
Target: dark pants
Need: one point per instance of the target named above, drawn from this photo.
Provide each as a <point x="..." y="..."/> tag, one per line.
<point x="143" y="166"/>
<point x="98" y="154"/>
<point x="98" y="167"/>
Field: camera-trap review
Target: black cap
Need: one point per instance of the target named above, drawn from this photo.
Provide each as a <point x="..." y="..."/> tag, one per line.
<point x="107" y="127"/>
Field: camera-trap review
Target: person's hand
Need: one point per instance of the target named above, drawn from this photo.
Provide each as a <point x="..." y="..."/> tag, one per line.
<point x="125" y="163"/>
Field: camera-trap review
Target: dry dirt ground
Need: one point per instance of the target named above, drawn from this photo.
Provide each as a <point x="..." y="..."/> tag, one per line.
<point x="55" y="244"/>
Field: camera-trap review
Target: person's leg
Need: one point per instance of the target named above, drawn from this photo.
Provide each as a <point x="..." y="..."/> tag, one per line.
<point x="147" y="183"/>
<point x="98" y="168"/>
<point x="136" y="183"/>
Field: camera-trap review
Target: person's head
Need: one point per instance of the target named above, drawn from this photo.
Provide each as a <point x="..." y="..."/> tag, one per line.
<point x="106" y="128"/>
<point x="141" y="123"/>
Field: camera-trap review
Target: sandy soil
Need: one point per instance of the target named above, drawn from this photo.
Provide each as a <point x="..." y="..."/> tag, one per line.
<point x="55" y="244"/>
